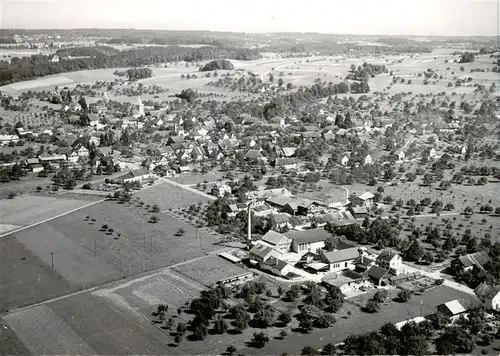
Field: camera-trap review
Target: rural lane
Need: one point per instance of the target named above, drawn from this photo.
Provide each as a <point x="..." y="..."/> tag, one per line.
<point x="51" y="218"/>
<point x="188" y="188"/>
<point x="121" y="283"/>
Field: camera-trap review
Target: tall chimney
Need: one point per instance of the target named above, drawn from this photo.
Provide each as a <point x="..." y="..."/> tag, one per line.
<point x="249" y="228"/>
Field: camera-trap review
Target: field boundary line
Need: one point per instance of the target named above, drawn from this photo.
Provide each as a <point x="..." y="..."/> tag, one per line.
<point x="189" y="189"/>
<point x="51" y="218"/>
<point x="115" y="284"/>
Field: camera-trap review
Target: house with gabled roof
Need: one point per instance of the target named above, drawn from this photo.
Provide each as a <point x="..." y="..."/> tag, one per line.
<point x="311" y="240"/>
<point x="286" y="163"/>
<point x="261" y="251"/>
<point x="378" y="275"/>
<point x="280" y="222"/>
<point x="339" y="260"/>
<point x="390" y="260"/>
<point x="489" y="296"/>
<point x="468" y="262"/>
<point x="288" y="151"/>
<point x="452" y="309"/>
<point x="278" y="241"/>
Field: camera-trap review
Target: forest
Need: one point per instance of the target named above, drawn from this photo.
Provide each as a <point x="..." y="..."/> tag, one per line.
<point x="26" y="68"/>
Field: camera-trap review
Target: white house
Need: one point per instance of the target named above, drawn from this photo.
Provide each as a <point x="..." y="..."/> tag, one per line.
<point x="390" y="260"/>
<point x="5" y="139"/>
<point x="278" y="241"/>
<point x="368" y="160"/>
<point x="489" y="296"/>
<point x="432" y="153"/>
<point x="341" y="259"/>
<point x="312" y="240"/>
<point x="221" y="189"/>
<point x="137" y="175"/>
<point x="344" y="160"/>
<point x="55" y="59"/>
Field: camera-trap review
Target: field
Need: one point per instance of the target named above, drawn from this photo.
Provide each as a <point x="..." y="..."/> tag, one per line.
<point x="167" y="195"/>
<point x="25" y="210"/>
<point x="25" y="278"/>
<point x="360" y="322"/>
<point x="209" y="270"/>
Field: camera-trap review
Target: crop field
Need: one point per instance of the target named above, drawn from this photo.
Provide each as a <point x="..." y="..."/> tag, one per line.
<point x="25" y="278"/>
<point x="209" y="270"/>
<point x="25" y="210"/>
<point x="167" y="195"/>
<point x="135" y="245"/>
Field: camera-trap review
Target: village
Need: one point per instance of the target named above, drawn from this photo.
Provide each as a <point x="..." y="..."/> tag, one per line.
<point x="375" y="198"/>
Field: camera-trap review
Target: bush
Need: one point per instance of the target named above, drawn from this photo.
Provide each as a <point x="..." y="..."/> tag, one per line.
<point x="87" y="186"/>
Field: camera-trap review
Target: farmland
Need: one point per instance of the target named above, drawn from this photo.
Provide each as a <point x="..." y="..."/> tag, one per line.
<point x="26" y="210"/>
<point x="167" y="195"/>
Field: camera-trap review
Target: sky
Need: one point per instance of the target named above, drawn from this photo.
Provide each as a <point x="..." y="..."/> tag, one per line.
<point x="372" y="17"/>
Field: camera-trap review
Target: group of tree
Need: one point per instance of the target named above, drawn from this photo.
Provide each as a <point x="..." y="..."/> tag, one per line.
<point x="138" y="73"/>
<point x="217" y="64"/>
<point x="25" y="68"/>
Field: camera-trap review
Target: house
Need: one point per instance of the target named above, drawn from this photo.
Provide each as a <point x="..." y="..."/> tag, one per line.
<point x="368" y="160"/>
<point x="55" y="59"/>
<point x="311" y="240"/>
<point x="280" y="222"/>
<point x="366" y="199"/>
<point x="278" y="241"/>
<point x="261" y="251"/>
<point x="416" y="320"/>
<point x="197" y="154"/>
<point x="489" y="296"/>
<point x="175" y="139"/>
<point x="338" y="218"/>
<point x="73" y="157"/>
<point x="52" y="158"/>
<point x="468" y="262"/>
<point x="346" y="280"/>
<point x="277" y="266"/>
<point x="341" y="259"/>
<point x="360" y="212"/>
<point x="452" y="309"/>
<point x="379" y="276"/>
<point x="221" y="189"/>
<point x="288" y="151"/>
<point x="432" y="153"/>
<point x="6" y="139"/>
<point x="344" y="161"/>
<point x="389" y="260"/>
<point x="136" y="175"/>
<point x="286" y="163"/>
<point x="400" y="155"/>
<point x="81" y="151"/>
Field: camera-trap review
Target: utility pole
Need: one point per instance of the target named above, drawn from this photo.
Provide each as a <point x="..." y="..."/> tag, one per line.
<point x="421" y="307"/>
<point x="52" y="258"/>
<point x="151" y="244"/>
<point x="95" y="248"/>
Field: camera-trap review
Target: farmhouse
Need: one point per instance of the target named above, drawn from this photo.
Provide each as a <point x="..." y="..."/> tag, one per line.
<point x="286" y="163"/>
<point x="389" y="260"/>
<point x="261" y="251"/>
<point x="136" y="175"/>
<point x="489" y="296"/>
<point x="280" y="222"/>
<point x="468" y="262"/>
<point x="379" y="276"/>
<point x="277" y="266"/>
<point x="305" y="241"/>
<point x="452" y="309"/>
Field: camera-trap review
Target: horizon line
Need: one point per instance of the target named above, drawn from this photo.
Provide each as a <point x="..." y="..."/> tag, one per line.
<point x="247" y="32"/>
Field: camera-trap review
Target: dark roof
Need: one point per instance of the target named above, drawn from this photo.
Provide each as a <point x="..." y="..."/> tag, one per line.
<point x="139" y="172"/>
<point x="487" y="291"/>
<point x="311" y="235"/>
<point x="386" y="255"/>
<point x="478" y="259"/>
<point x="377" y="273"/>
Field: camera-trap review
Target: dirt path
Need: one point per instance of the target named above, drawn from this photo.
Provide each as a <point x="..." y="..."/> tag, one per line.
<point x="188" y="188"/>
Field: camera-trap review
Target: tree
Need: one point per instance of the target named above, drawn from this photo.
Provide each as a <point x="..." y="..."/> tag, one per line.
<point x="325" y="321"/>
<point x="309" y="351"/>
<point x="292" y="293"/>
<point x="181" y="328"/>
<point x="264" y="317"/>
<point x="284" y="317"/>
<point x="280" y="82"/>
<point x="380" y="296"/>
<point x="330" y="243"/>
<point x="372" y="306"/>
<point x="154" y="219"/>
<point x="334" y="299"/>
<point x="259" y="340"/>
<point x="230" y="350"/>
<point x="241" y="320"/>
<point x="454" y="340"/>
<point x="404" y="295"/>
<point x="427" y="180"/>
<point x="199" y="327"/>
<point x="220" y="326"/>
<point x="155" y="208"/>
<point x="306" y="323"/>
